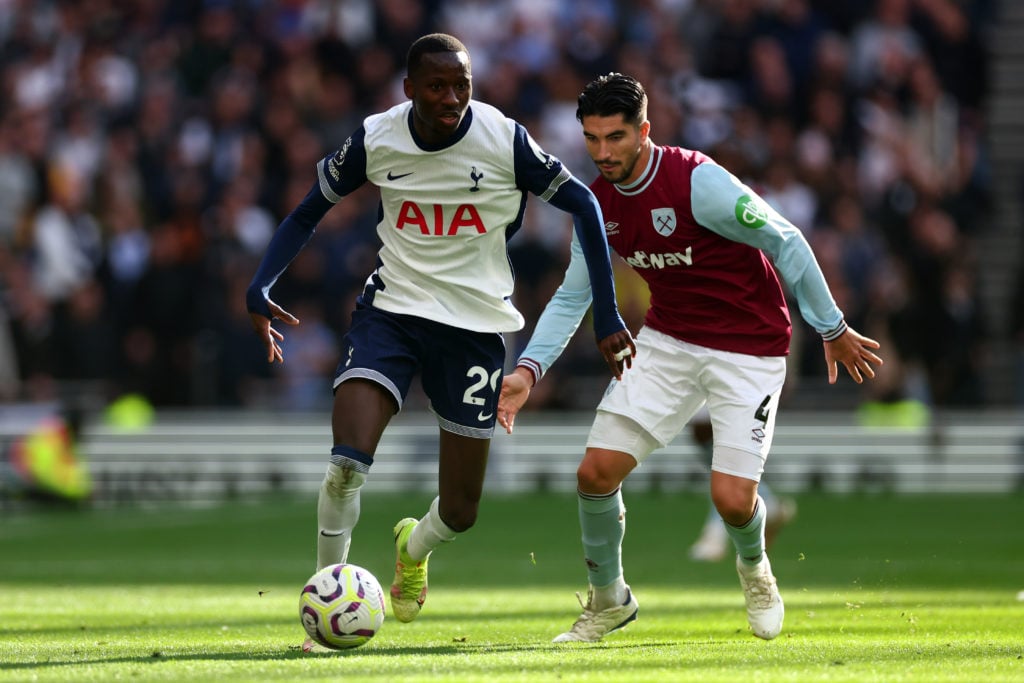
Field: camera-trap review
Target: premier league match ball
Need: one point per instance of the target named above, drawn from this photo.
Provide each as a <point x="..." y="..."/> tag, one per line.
<point x="342" y="606"/>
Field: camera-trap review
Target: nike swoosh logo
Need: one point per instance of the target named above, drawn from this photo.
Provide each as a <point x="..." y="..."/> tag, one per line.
<point x="483" y="417"/>
<point x="332" y="534"/>
<point x="392" y="176"/>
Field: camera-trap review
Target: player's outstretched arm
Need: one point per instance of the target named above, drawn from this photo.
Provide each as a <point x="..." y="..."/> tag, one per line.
<point x="288" y="240"/>
<point x="515" y="389"/>
<point x="270" y="337"/>
<point x="855" y="352"/>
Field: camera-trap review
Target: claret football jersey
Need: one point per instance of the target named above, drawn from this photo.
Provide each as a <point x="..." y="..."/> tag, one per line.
<point x="705" y="288"/>
<point x="711" y="251"/>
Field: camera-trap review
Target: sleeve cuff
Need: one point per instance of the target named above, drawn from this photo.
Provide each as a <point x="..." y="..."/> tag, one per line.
<point x="533" y="367"/>
<point x="836" y="332"/>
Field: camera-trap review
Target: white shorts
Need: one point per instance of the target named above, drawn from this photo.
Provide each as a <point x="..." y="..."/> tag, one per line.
<point x="671" y="380"/>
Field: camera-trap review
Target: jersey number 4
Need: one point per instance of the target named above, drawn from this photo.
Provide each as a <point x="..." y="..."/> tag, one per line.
<point x="762" y="410"/>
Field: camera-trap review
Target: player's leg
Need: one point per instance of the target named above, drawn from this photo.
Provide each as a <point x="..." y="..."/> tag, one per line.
<point x="741" y="510"/>
<point x="361" y="411"/>
<point x="461" y="471"/>
<point x="744" y="513"/>
<point x="615" y="446"/>
<point x="372" y="380"/>
<point x="635" y="416"/>
<point x="713" y="543"/>
<point x="743" y="398"/>
<point x="602" y="517"/>
<point x="461" y="376"/>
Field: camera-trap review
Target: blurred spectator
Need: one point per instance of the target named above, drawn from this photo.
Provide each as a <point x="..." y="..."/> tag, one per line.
<point x="147" y="150"/>
<point x="883" y="46"/>
<point x="18" y="180"/>
<point x="64" y="239"/>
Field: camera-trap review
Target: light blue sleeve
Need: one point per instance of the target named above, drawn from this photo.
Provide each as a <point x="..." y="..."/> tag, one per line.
<point x="722" y="204"/>
<point x="561" y="316"/>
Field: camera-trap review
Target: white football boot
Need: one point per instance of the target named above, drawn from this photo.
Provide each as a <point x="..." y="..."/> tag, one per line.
<point x="596" y="624"/>
<point x="764" y="604"/>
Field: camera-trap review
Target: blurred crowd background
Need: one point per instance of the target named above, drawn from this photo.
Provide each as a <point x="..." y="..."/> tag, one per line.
<point x="149" y="148"/>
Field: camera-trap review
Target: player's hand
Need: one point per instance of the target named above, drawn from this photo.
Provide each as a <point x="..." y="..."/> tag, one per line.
<point x="855" y="352"/>
<point x="515" y="389"/>
<point x="270" y="337"/>
<point x="618" y="350"/>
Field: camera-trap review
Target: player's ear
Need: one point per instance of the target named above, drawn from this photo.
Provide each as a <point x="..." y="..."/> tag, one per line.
<point x="645" y="130"/>
<point x="407" y="87"/>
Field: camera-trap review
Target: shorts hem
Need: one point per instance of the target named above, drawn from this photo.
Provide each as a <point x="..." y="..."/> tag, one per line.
<point x="373" y="376"/>
<point x="472" y="432"/>
<point x="634" y="418"/>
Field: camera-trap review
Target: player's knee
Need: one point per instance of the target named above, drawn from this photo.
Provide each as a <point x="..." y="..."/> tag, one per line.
<point x="735" y="505"/>
<point x="594" y="479"/>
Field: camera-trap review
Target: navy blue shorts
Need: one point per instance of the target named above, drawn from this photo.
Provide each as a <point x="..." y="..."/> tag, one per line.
<point x="460" y="370"/>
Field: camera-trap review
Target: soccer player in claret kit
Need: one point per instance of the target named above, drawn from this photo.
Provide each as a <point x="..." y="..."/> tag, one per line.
<point x="453" y="174"/>
<point x="717" y="332"/>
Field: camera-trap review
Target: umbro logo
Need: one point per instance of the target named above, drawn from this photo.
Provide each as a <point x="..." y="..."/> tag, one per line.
<point x="611" y="228"/>
<point x="392" y="176"/>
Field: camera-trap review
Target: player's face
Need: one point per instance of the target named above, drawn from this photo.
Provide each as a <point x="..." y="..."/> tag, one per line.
<point x="616" y="147"/>
<point x="440" y="90"/>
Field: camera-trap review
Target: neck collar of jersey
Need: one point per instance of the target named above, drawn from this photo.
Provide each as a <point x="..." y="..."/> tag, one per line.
<point x="641" y="183"/>
<point x="460" y="132"/>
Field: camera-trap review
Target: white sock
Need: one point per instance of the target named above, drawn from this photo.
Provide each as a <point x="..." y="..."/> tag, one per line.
<point x="429" y="533"/>
<point x="337" y="512"/>
<point x="612" y="595"/>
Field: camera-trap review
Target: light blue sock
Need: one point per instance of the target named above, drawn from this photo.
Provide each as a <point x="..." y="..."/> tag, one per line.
<point x="603" y="523"/>
<point x="749" y="538"/>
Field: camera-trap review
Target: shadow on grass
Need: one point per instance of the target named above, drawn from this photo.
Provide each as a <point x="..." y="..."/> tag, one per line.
<point x="291" y="653"/>
<point x="295" y="652"/>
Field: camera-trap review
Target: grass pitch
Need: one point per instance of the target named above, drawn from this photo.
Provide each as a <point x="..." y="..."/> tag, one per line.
<point x="877" y="588"/>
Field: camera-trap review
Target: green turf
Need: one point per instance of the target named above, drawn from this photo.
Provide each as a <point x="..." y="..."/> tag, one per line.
<point x="919" y="588"/>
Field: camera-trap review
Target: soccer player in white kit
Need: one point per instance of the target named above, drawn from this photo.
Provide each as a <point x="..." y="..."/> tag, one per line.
<point x="717" y="333"/>
<point x="453" y="174"/>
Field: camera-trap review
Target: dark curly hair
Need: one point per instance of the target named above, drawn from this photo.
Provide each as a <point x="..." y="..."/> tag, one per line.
<point x="612" y="94"/>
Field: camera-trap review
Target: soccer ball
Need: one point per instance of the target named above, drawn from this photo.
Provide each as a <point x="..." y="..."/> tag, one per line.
<point x="342" y="606"/>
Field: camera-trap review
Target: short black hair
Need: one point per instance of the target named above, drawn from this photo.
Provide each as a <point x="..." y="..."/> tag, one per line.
<point x="430" y="44"/>
<point x="612" y="94"/>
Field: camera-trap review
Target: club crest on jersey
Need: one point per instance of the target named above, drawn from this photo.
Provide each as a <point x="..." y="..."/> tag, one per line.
<point x="475" y="176"/>
<point x="750" y="213"/>
<point x="664" y="221"/>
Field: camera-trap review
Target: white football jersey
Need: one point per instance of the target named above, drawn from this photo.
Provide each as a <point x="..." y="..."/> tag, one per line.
<point x="446" y="213"/>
